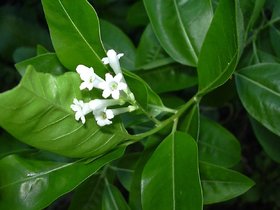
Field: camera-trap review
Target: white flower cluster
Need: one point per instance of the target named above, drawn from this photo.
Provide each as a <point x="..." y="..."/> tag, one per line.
<point x="114" y="86"/>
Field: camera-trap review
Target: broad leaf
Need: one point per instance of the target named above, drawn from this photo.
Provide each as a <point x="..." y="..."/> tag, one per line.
<point x="177" y="77"/>
<point x="221" y="184"/>
<point x="180" y="26"/>
<point x="42" y="117"/>
<point x="76" y="36"/>
<point x="251" y="10"/>
<point x="113" y="199"/>
<point x="274" y="30"/>
<point x="144" y="95"/>
<point x="268" y="140"/>
<point x="221" y="48"/>
<point x="259" y="90"/>
<point x="89" y="194"/>
<point x="9" y="145"/>
<point x="149" y="53"/>
<point x="114" y="38"/>
<point x="191" y="122"/>
<point x="217" y="145"/>
<point x="47" y="63"/>
<point x="170" y="179"/>
<point x="29" y="184"/>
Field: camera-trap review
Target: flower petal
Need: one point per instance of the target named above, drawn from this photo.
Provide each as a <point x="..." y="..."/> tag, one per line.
<point x="115" y="94"/>
<point x="106" y="93"/>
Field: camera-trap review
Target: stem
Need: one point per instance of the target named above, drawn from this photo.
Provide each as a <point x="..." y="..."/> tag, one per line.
<point x="164" y="123"/>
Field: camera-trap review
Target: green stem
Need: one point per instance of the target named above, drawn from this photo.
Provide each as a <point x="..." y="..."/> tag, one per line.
<point x="164" y="123"/>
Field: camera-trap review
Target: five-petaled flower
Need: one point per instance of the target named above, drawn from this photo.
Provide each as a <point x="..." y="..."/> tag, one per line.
<point x="90" y="79"/>
<point x="112" y="86"/>
<point x="81" y="109"/>
<point x="103" y="117"/>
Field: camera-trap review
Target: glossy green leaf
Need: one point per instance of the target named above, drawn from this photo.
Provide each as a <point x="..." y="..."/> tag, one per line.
<point x="180" y="26"/>
<point x="113" y="199"/>
<point x="135" y="193"/>
<point x="259" y="90"/>
<point x="268" y="140"/>
<point x="136" y="15"/>
<point x="23" y="53"/>
<point x="221" y="48"/>
<point x="177" y="77"/>
<point x="42" y="117"/>
<point x="251" y="10"/>
<point x="47" y="63"/>
<point x="217" y="145"/>
<point x="170" y="179"/>
<point x="274" y="30"/>
<point x="75" y="33"/>
<point x="221" y="184"/>
<point x="114" y="38"/>
<point x="144" y="95"/>
<point x="125" y="169"/>
<point x="89" y="194"/>
<point x="41" y="50"/>
<point x="149" y="53"/>
<point x="191" y="122"/>
<point x="9" y="145"/>
<point x="28" y="184"/>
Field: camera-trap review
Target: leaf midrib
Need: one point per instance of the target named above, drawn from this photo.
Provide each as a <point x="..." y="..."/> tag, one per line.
<point x="79" y="32"/>
<point x="259" y="84"/>
<point x="188" y="41"/>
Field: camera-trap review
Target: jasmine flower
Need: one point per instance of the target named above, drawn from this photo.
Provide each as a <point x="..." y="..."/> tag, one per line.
<point x="90" y="79"/>
<point x="81" y="110"/>
<point x="112" y="86"/>
<point x="113" y="60"/>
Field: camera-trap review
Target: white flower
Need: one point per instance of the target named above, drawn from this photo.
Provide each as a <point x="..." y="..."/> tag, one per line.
<point x="90" y="79"/>
<point x="104" y="117"/>
<point x="113" y="60"/>
<point x="99" y="104"/>
<point x="81" y="110"/>
<point x="112" y="86"/>
<point x="124" y="110"/>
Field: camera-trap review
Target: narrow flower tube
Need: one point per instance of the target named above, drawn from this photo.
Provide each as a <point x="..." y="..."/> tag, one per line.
<point x="99" y="104"/>
<point x="113" y="60"/>
<point x="122" y="110"/>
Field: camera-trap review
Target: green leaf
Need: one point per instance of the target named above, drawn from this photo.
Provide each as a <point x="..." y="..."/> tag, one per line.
<point x="144" y="95"/>
<point x="221" y="48"/>
<point x="9" y="145"/>
<point x="47" y="63"/>
<point x="149" y="53"/>
<point x="274" y="30"/>
<point x="136" y="15"/>
<point x="177" y="77"/>
<point x="125" y="169"/>
<point x="113" y="199"/>
<point x="135" y="193"/>
<point x="89" y="194"/>
<point x="180" y="26"/>
<point x="76" y="36"/>
<point x="268" y="140"/>
<point x="221" y="184"/>
<point x="257" y="82"/>
<point x="42" y="117"/>
<point x="29" y="184"/>
<point x="170" y="179"/>
<point x="217" y="145"/>
<point x="251" y="10"/>
<point x="191" y="122"/>
<point x="114" y="38"/>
